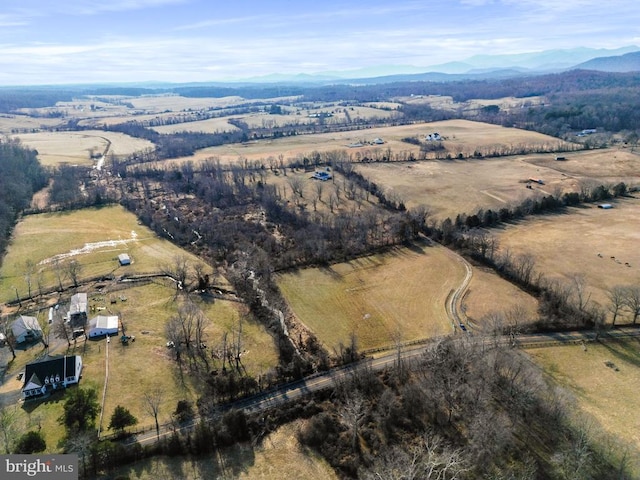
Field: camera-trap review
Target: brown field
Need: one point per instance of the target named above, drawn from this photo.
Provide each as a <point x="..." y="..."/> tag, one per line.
<point x="607" y="395"/>
<point x="449" y="187"/>
<point x="278" y="453"/>
<point x="11" y="123"/>
<point x="488" y="293"/>
<point x="568" y="244"/>
<point x="94" y="237"/>
<point x="462" y="136"/>
<point x="75" y="147"/>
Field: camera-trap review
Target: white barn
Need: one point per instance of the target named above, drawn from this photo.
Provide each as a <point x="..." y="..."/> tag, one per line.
<point x="104" y="325"/>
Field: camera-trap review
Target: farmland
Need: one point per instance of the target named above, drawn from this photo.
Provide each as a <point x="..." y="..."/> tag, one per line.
<point x="461" y="137"/>
<point x="77" y="147"/>
<point x="350" y="261"/>
<point x="591" y="243"/>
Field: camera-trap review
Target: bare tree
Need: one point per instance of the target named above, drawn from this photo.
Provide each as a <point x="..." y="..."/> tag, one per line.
<point x="352" y="414"/>
<point x="632" y="302"/>
<point x="58" y="270"/>
<point x="178" y="271"/>
<point x="296" y="183"/>
<point x="29" y="271"/>
<point x="73" y="271"/>
<point x="578" y="283"/>
<point x="617" y="301"/>
<point x="151" y="404"/>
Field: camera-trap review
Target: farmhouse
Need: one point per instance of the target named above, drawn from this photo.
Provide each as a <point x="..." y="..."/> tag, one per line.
<point x="103" y="325"/>
<point x="41" y="378"/>
<point x="124" y="259"/>
<point x="78" y="310"/>
<point x="26" y="329"/>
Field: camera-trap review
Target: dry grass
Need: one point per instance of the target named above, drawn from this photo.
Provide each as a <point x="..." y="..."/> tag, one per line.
<point x="488" y="293"/>
<point x="11" y="123"/>
<point x="376" y="298"/>
<point x="463" y="136"/>
<point x="75" y="147"/>
<point x="569" y="244"/>
<point x="464" y="186"/>
<point x="40" y="238"/>
<point x="607" y="395"/>
<point x="279" y="456"/>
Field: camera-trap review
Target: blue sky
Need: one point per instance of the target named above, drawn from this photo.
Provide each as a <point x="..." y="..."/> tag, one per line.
<point x="78" y="41"/>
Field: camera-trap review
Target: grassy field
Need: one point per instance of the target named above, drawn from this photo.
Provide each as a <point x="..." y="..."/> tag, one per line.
<point x="376" y="297"/>
<point x="607" y="392"/>
<point x="401" y="292"/>
<point x="75" y="147"/>
<point x="568" y="244"/>
<point x="280" y="455"/>
<point x="93" y="237"/>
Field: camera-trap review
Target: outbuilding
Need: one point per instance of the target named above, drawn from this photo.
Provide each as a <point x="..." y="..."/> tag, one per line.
<point x="104" y="325"/>
<point x="605" y="206"/>
<point x="124" y="259"/>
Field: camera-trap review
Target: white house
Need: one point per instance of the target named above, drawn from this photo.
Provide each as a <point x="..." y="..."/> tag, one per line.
<point x="26" y="329"/>
<point x="41" y="378"/>
<point x="104" y="325"/>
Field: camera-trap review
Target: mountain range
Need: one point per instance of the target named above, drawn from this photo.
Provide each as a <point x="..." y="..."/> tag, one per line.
<point x="625" y="59"/>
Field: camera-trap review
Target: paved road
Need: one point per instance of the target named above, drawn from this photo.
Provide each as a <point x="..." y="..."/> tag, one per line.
<point x="296" y="390"/>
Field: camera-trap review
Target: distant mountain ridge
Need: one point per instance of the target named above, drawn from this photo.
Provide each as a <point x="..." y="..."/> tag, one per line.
<point x="476" y="67"/>
<point x="629" y="62"/>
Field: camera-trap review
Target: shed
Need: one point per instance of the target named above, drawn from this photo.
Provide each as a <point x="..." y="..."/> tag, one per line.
<point x="124" y="259"/>
<point x="605" y="206"/>
<point x="26" y="329"/>
<point x="104" y="325"/>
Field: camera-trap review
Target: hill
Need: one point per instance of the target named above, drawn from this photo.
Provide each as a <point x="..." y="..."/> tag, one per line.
<point x="629" y="62"/>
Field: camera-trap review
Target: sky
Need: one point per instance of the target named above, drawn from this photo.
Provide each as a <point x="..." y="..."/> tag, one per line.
<point x="104" y="41"/>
